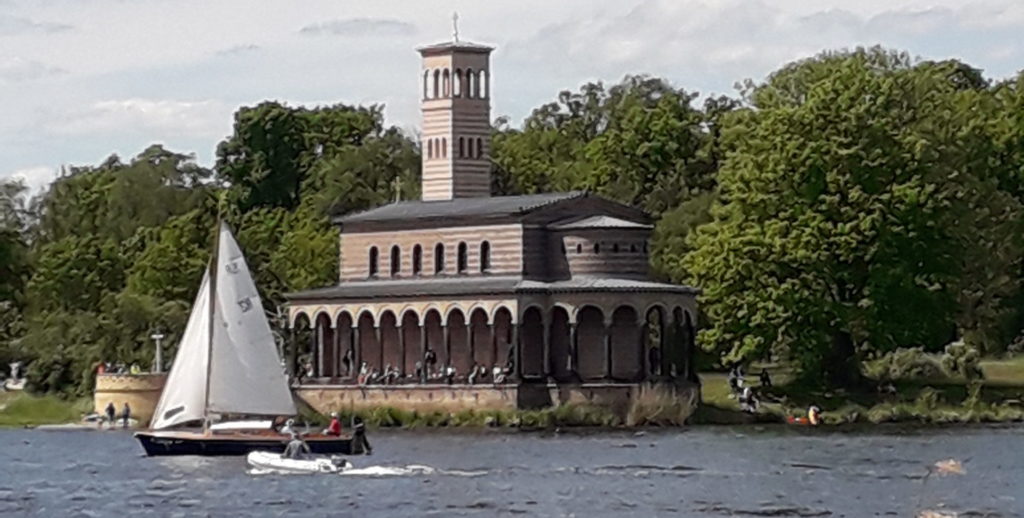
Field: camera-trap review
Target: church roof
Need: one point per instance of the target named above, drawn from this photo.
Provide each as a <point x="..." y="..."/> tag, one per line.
<point x="480" y="285"/>
<point x="446" y="46"/>
<point x="598" y="222"/>
<point x="477" y="208"/>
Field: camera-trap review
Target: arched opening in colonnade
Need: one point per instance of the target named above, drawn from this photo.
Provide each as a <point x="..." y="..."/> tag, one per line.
<point x="432" y="326"/>
<point x="626" y="344"/>
<point x="369" y="348"/>
<point x="346" y="351"/>
<point x="590" y="340"/>
<point x="656" y="342"/>
<point x="389" y="341"/>
<point x="531" y="340"/>
<point x="411" y="353"/>
<point x="322" y="355"/>
<point x="560" y="346"/>
<point x="301" y="343"/>
<point x="459" y="354"/>
<point x="480" y="340"/>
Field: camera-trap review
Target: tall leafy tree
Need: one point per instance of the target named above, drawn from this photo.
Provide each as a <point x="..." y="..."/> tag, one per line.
<point x="855" y="202"/>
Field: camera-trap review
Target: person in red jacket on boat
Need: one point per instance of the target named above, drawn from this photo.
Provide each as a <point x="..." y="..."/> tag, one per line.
<point x="335" y="427"/>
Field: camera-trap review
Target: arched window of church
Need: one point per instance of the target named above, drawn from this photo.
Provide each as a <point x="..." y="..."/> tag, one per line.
<point x="444" y="147"/>
<point x="469" y="152"/>
<point x="374" y="261"/>
<point x="429" y="144"/>
<point x="485" y="256"/>
<point x="462" y="142"/>
<point x="396" y="260"/>
<point x="463" y="259"/>
<point x="457" y="86"/>
<point x="597" y="248"/>
<point x="446" y="84"/>
<point x="485" y="86"/>
<point x="439" y="258"/>
<point x="615" y="248"/>
<point x="476" y="84"/>
<point x="470" y="81"/>
<point x="437" y="85"/>
<point x="479" y="147"/>
<point x="417" y="259"/>
<point x="426" y="84"/>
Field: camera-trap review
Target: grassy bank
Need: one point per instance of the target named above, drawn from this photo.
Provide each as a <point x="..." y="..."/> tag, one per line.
<point x="23" y="409"/>
<point x="936" y="399"/>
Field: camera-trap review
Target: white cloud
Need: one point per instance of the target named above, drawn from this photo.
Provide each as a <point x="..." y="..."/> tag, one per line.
<point x="16" y="25"/>
<point x="361" y="27"/>
<point x="14" y="70"/>
<point x="132" y="73"/>
<point x="35" y="178"/>
<point x="164" y="117"/>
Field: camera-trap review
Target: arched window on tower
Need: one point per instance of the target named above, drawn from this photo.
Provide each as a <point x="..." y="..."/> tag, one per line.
<point x="439" y="258"/>
<point x="435" y="93"/>
<point x="485" y="257"/>
<point x="470" y="81"/>
<point x="463" y="259"/>
<point x="374" y="261"/>
<point x="446" y="84"/>
<point x="476" y="84"/>
<point x="458" y="87"/>
<point x="462" y="143"/>
<point x="469" y="151"/>
<point x="429" y="145"/>
<point x="426" y="84"/>
<point x="479" y="147"/>
<point x="417" y="260"/>
<point x="396" y="260"/>
<point x="485" y="86"/>
<point x="444" y="147"/>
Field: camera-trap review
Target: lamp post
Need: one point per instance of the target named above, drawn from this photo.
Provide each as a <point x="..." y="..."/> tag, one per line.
<point x="158" y="363"/>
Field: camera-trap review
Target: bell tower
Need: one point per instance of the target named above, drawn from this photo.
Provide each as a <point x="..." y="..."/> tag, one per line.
<point x="456" y="106"/>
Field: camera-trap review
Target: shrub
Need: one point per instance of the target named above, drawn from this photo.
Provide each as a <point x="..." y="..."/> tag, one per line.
<point x="660" y="405"/>
<point x="962" y="359"/>
<point x="904" y="364"/>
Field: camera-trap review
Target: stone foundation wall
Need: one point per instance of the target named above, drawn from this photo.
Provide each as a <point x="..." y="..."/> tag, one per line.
<point x="140" y="391"/>
<point x="454" y="398"/>
<point x="424" y="398"/>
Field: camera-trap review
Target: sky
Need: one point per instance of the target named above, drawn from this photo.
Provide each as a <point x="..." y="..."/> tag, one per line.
<point x="82" y="79"/>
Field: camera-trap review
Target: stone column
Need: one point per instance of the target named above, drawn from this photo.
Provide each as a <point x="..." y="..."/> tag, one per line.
<point x="401" y="349"/>
<point x="423" y="353"/>
<point x="380" y="346"/>
<point x="471" y="338"/>
<point x="607" y="351"/>
<point x="336" y="347"/>
<point x="546" y="370"/>
<point x="447" y="345"/>
<point x="357" y="346"/>
<point x="292" y="351"/>
<point x="320" y="339"/>
<point x="574" y="354"/>
<point x="517" y="356"/>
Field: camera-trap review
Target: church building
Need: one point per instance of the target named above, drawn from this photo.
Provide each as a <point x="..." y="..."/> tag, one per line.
<point x="464" y="299"/>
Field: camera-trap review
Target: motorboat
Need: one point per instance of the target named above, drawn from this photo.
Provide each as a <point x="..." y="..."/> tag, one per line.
<point x="273" y="462"/>
<point x="227" y="365"/>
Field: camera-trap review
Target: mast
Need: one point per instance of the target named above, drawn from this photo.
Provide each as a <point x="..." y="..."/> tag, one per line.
<point x="209" y="337"/>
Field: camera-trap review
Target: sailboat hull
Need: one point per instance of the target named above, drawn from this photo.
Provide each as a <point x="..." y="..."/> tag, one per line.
<point x="158" y="443"/>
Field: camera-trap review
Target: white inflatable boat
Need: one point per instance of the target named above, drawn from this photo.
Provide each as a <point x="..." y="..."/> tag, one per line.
<point x="270" y="462"/>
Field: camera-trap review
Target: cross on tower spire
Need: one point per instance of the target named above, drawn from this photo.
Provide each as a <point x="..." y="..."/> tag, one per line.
<point x="455" y="26"/>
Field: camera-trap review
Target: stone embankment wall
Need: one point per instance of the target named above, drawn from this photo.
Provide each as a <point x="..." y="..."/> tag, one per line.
<point x="140" y="391"/>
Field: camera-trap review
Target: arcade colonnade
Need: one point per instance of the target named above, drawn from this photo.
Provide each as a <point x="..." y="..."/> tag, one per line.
<point x="618" y="341"/>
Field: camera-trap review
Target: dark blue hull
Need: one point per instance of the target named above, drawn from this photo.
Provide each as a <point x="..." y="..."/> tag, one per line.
<point x="179" y="443"/>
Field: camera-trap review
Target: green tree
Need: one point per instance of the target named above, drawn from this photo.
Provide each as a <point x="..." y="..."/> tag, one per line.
<point x="854" y="202"/>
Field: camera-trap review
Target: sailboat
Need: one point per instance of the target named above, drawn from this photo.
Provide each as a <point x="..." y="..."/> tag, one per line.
<point x="227" y="365"/>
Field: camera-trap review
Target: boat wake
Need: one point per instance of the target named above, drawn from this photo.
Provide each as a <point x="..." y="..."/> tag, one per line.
<point x="382" y="471"/>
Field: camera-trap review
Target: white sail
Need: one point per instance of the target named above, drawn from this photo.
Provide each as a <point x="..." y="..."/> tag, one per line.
<point x="184" y="393"/>
<point x="245" y="374"/>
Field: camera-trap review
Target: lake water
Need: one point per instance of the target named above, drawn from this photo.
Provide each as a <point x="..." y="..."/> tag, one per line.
<point x="706" y="471"/>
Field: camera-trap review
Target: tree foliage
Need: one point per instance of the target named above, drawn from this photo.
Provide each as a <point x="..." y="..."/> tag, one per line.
<point x="855" y="209"/>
